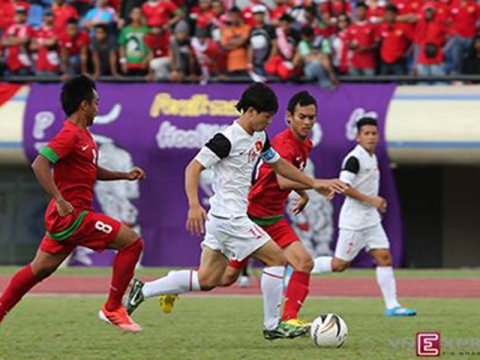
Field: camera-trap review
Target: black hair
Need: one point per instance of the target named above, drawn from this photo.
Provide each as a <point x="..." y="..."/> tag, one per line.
<point x="307" y="31"/>
<point x="286" y="17"/>
<point x="72" y="21"/>
<point x="362" y="5"/>
<point x="103" y="27"/>
<point x="235" y="9"/>
<point x="312" y="9"/>
<point x="364" y="121"/>
<point x="302" y="98"/>
<point x="75" y="91"/>
<point x="260" y="97"/>
<point x="392" y="8"/>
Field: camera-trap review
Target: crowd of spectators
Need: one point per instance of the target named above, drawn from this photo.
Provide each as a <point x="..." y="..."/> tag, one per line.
<point x="180" y="40"/>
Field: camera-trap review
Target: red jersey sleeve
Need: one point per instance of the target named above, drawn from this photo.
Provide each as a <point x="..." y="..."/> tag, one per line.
<point x="60" y="146"/>
<point x="285" y="150"/>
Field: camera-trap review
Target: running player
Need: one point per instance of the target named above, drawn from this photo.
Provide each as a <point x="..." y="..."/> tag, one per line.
<point x="360" y="222"/>
<point x="269" y="195"/>
<point x="230" y="234"/>
<point x="69" y="219"/>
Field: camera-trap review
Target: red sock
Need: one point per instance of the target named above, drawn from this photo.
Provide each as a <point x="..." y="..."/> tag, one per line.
<point x="20" y="284"/>
<point x="297" y="291"/>
<point x="123" y="269"/>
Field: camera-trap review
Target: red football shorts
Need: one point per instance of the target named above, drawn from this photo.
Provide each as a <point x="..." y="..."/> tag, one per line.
<point x="281" y="232"/>
<point x="95" y="232"/>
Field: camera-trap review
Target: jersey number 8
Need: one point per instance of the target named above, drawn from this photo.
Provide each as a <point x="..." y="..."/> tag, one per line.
<point x="101" y="226"/>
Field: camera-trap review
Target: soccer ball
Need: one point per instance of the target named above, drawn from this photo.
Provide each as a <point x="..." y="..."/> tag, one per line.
<point x="329" y="331"/>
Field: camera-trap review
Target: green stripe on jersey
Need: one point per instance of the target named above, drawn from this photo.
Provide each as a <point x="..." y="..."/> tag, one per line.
<point x="65" y="234"/>
<point x="49" y="154"/>
<point x="266" y="221"/>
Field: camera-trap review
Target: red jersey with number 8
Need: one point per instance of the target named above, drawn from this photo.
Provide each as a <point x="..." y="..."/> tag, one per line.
<point x="74" y="154"/>
<point x="266" y="199"/>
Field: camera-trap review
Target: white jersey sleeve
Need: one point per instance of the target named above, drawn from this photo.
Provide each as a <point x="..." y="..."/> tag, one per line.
<point x="215" y="149"/>
<point x="268" y="154"/>
<point x="350" y="169"/>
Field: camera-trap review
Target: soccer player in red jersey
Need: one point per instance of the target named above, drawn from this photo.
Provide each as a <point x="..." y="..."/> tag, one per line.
<point x="269" y="195"/>
<point x="70" y="220"/>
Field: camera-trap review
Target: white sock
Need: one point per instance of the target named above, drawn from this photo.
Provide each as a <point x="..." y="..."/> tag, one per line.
<point x="322" y="264"/>
<point x="177" y="282"/>
<point x="272" y="291"/>
<point x="386" y="281"/>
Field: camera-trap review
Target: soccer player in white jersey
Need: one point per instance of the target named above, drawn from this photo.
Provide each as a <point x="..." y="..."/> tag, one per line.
<point x="230" y="234"/>
<point x="360" y="222"/>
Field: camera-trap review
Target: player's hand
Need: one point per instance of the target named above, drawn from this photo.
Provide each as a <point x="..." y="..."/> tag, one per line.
<point x="301" y="203"/>
<point x="64" y="208"/>
<point x="196" y="220"/>
<point x="379" y="203"/>
<point x="136" y="174"/>
<point x="331" y="185"/>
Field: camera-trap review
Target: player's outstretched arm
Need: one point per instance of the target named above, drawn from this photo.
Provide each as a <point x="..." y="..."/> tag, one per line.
<point x="196" y="214"/>
<point x="41" y="169"/>
<point x="301" y="202"/>
<point x="374" y="201"/>
<point x="106" y="175"/>
<point x="290" y="172"/>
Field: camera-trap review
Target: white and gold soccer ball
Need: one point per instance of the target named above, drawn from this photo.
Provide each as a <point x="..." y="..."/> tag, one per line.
<point x="329" y="331"/>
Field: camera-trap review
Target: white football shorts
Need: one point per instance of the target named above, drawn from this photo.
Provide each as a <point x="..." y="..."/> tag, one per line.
<point x="351" y="242"/>
<point x="236" y="237"/>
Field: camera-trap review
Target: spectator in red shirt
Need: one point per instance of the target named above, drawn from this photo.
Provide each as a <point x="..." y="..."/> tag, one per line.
<point x="62" y="13"/>
<point x="16" y="42"/>
<point x="376" y="11"/>
<point x="7" y="12"/>
<point x="332" y="9"/>
<point x="282" y="65"/>
<point x="341" y="54"/>
<point x="45" y="44"/>
<point x="158" y="44"/>
<point x="320" y="27"/>
<point x="362" y="40"/>
<point x="202" y="15"/>
<point x="74" y="49"/>
<point x="162" y="12"/>
<point x="395" y="43"/>
<point x="431" y="36"/>
<point x="465" y="15"/>
<point x="282" y="7"/>
<point x="206" y="54"/>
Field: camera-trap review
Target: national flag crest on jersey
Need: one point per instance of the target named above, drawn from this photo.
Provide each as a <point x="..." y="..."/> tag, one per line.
<point x="258" y="146"/>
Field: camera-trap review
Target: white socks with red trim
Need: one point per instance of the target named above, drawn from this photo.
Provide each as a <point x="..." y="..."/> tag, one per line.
<point x="272" y="289"/>
<point x="176" y="282"/>
<point x="386" y="281"/>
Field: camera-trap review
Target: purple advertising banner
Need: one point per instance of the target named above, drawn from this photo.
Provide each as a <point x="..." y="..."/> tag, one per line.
<point x="160" y="127"/>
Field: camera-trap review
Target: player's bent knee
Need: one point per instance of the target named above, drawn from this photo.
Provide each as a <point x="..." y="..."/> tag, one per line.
<point x="304" y="264"/>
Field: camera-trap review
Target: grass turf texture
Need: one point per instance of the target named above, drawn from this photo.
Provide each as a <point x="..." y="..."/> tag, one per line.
<point x="66" y="327"/>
